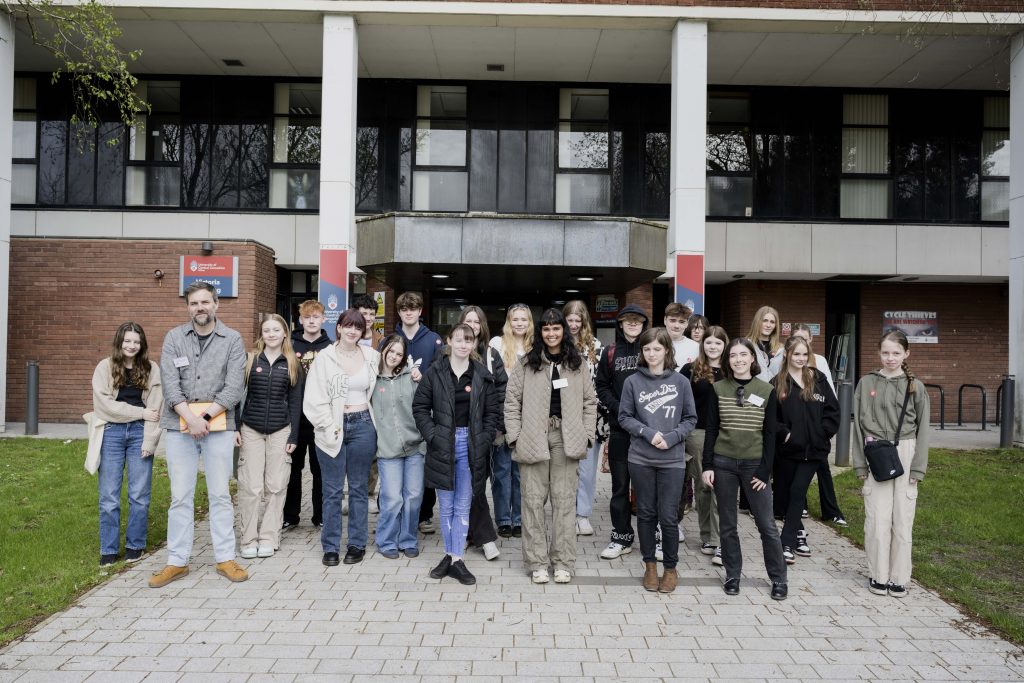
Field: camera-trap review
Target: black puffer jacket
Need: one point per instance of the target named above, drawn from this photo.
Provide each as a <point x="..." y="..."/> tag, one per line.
<point x="809" y="424"/>
<point x="271" y="401"/>
<point x="434" y="411"/>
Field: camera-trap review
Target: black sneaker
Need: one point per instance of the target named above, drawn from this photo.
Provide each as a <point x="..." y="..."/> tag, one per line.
<point x="787" y="555"/>
<point x="706" y="548"/>
<point x="107" y="560"/>
<point x="517" y="531"/>
<point x="896" y="590"/>
<point x="133" y="554"/>
<point x="457" y="570"/>
<point x="505" y="531"/>
<point x="779" y="591"/>
<point x="331" y="559"/>
<point x="441" y="570"/>
<point x="411" y="552"/>
<point x="877" y="588"/>
<point x="804" y="514"/>
<point x="839" y="521"/>
<point x="354" y="555"/>
<point x="288" y="525"/>
<point x="731" y="586"/>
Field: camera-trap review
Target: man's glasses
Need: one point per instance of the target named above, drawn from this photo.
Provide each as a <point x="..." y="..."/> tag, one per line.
<point x="739" y="396"/>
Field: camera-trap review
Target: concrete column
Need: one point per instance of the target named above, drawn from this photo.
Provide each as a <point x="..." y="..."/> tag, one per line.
<point x="6" y="127"/>
<point x="338" y="163"/>
<point x="686" y="202"/>
<point x="1017" y="230"/>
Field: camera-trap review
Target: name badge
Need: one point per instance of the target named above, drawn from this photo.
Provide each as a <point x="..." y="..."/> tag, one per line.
<point x="756" y="400"/>
<point x="181" y="362"/>
<point x="560" y="383"/>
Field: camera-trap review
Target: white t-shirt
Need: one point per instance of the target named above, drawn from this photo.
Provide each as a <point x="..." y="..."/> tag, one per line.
<point x="685" y="351"/>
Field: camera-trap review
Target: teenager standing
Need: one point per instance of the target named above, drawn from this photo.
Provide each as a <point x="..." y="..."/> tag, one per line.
<point x="739" y="447"/>
<point x="268" y="431"/>
<point x="123" y="435"/>
<point x="457" y="412"/>
<point x="808" y="418"/>
<point x="400" y="450"/>
<point x="766" y="335"/>
<point x="577" y="317"/>
<point x="337" y="404"/>
<point x="515" y="341"/>
<point x="684" y="349"/>
<point x="619" y="361"/>
<point x="658" y="412"/>
<point x="890" y="506"/>
<point x="703" y="373"/>
<point x="550" y="417"/>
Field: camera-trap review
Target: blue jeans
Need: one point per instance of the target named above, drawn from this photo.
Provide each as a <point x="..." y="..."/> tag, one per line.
<point x="401" y="492"/>
<point x="588" y="481"/>
<point x="454" y="505"/>
<point x="122" y="445"/>
<point x="217" y="450"/>
<point x="358" y="446"/>
<point x="505" y="487"/>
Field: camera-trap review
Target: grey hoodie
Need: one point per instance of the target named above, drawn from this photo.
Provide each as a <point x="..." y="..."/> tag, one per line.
<point x="657" y="403"/>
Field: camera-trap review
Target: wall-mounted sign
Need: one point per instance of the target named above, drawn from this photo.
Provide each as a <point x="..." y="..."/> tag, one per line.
<point x="219" y="271"/>
<point x="921" y="327"/>
<point x="605" y="306"/>
<point x="378" y="323"/>
<point x="787" y="329"/>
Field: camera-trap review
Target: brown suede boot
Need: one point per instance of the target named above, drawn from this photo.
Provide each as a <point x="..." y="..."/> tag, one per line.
<point x="668" y="581"/>
<point x="651" y="576"/>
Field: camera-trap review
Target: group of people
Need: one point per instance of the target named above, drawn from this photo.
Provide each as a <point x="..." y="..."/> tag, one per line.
<point x="676" y="414"/>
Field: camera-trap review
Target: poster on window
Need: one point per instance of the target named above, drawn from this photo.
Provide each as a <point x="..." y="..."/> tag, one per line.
<point x="921" y="327"/>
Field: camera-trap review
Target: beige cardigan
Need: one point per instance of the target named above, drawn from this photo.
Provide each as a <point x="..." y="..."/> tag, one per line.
<point x="527" y="402"/>
<point x="323" y="402"/>
<point x="106" y="408"/>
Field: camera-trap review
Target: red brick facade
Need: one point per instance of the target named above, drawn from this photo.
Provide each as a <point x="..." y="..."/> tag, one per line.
<point x="643" y="296"/>
<point x="68" y="296"/>
<point x="796" y="302"/>
<point x="973" y="343"/>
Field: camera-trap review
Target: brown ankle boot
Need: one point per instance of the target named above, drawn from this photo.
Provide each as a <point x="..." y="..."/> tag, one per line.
<point x="668" y="581"/>
<point x="651" y="576"/>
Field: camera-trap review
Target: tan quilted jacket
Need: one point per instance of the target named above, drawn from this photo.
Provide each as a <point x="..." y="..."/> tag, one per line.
<point x="527" y="402"/>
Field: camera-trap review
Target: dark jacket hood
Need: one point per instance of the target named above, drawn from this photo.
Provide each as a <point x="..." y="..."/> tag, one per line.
<point x="620" y="336"/>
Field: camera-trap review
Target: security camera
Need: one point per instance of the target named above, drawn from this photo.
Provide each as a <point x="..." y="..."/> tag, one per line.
<point x="158" y="274"/>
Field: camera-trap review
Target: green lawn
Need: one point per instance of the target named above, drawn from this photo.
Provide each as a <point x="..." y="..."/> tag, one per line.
<point x="49" y="529"/>
<point x="968" y="533"/>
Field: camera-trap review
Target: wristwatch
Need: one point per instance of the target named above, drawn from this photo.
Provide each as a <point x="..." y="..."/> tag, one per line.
<point x="206" y="417"/>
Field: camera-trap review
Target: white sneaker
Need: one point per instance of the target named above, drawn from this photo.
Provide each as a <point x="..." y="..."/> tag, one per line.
<point x="682" y="534"/>
<point x="716" y="559"/>
<point x="264" y="551"/>
<point x="491" y="551"/>
<point x="540" y="576"/>
<point x="562" y="576"/>
<point x="614" y="550"/>
<point x="659" y="556"/>
<point x="248" y="552"/>
<point x="583" y="527"/>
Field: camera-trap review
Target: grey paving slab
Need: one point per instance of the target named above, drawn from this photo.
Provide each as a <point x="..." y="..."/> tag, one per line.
<point x="296" y="620"/>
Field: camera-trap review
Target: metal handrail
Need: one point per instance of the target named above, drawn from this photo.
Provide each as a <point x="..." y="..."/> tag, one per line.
<point x="960" y="404"/>
<point x="942" y="403"/>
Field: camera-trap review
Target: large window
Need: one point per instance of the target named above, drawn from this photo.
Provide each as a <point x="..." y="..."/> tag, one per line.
<point x="583" y="180"/>
<point x="866" y="186"/>
<point x="295" y="170"/>
<point x="153" y="176"/>
<point x="439" y="180"/>
<point x="23" y="148"/>
<point x="729" y="178"/>
<point x="995" y="160"/>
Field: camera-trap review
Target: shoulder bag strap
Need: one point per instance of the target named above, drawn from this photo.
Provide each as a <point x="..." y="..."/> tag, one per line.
<point x="903" y="413"/>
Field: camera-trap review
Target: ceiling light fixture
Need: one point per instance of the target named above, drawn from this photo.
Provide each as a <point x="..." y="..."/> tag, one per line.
<point x="584" y="278"/>
<point x="572" y="291"/>
<point x="440" y="276"/>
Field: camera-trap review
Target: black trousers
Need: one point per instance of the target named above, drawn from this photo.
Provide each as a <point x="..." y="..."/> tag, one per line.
<point x="827" y="493"/>
<point x="621" y="514"/>
<point x="731" y="475"/>
<point x="658" y="490"/>
<point x="293" y="498"/>
<point x="481" y="524"/>
<point x="427" y="506"/>
<point x="795" y="476"/>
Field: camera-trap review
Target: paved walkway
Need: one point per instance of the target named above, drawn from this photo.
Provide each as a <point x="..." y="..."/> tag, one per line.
<point x="296" y="620"/>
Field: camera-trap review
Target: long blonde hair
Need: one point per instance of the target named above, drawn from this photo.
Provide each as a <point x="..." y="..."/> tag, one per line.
<point x="782" y="379"/>
<point x="508" y="340"/>
<point x="774" y="341"/>
<point x="286" y="350"/>
<point x="585" y="340"/>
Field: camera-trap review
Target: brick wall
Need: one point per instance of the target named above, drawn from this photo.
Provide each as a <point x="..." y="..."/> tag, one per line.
<point x="68" y="297"/>
<point x="973" y="346"/>
<point x="796" y="302"/>
<point x="643" y="296"/>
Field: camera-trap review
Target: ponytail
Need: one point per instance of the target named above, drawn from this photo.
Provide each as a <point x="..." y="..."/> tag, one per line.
<point x="911" y="380"/>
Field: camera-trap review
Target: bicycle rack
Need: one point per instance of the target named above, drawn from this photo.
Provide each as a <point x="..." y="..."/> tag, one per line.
<point x="960" y="404"/>
<point x="942" y="403"/>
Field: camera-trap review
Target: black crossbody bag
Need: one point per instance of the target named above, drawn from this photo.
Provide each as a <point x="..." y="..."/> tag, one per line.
<point x="882" y="456"/>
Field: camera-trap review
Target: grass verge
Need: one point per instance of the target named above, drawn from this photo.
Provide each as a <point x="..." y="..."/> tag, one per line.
<point x="968" y="532"/>
<point x="49" y="528"/>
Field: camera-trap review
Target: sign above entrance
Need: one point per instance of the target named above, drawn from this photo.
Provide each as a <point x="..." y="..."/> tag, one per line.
<point x="606" y="306"/>
<point x="219" y="271"/>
